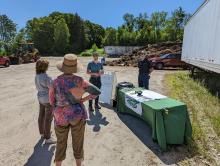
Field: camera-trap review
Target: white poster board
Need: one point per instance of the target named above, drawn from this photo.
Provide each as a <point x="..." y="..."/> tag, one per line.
<point x="133" y="104"/>
<point x="133" y="101"/>
<point x="108" y="83"/>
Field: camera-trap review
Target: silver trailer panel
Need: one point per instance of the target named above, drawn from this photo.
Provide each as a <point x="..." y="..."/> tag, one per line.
<point x="201" y="44"/>
<point x="120" y="50"/>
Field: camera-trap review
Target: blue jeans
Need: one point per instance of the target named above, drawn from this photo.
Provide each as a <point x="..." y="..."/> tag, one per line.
<point x="143" y="81"/>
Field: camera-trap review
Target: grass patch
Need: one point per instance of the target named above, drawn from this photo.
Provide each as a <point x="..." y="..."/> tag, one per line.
<point x="198" y="98"/>
<point x="2" y="53"/>
<point x="89" y="52"/>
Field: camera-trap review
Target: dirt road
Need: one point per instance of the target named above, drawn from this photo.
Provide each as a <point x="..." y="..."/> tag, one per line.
<point x="110" y="140"/>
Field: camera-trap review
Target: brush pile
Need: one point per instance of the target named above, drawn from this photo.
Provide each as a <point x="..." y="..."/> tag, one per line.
<point x="151" y="51"/>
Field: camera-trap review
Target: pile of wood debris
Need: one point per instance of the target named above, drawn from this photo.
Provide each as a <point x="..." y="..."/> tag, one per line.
<point x="153" y="50"/>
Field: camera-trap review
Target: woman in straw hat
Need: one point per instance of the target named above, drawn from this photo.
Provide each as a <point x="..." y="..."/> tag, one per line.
<point x="68" y="109"/>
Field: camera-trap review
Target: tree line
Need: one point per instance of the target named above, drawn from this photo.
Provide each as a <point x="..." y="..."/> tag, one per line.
<point x="60" y="33"/>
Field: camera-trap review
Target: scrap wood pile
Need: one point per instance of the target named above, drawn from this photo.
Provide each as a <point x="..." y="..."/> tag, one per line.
<point x="153" y="50"/>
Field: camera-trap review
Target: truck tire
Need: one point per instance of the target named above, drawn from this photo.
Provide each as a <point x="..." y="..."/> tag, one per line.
<point x="7" y="64"/>
<point x="159" y="66"/>
<point x="192" y="71"/>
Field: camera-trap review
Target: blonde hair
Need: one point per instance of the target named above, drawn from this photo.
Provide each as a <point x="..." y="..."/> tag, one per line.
<point x="41" y="66"/>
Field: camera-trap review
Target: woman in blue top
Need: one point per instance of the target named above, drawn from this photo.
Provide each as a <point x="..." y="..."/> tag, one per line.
<point x="95" y="70"/>
<point x="43" y="83"/>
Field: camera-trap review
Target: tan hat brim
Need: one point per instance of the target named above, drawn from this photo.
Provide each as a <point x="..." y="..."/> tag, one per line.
<point x="69" y="69"/>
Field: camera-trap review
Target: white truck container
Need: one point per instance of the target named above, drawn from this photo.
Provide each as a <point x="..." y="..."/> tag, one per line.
<point x="201" y="43"/>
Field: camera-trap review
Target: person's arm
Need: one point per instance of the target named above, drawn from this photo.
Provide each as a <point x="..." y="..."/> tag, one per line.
<point x="139" y="64"/>
<point x="92" y="74"/>
<point x="151" y="67"/>
<point x="52" y="95"/>
<point x="101" y="72"/>
<point x="91" y="89"/>
<point x="49" y="81"/>
<point x="151" y="70"/>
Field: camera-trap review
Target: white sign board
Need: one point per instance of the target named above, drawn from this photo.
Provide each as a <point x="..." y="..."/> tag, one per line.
<point x="133" y="101"/>
<point x="133" y="104"/>
<point x="108" y="83"/>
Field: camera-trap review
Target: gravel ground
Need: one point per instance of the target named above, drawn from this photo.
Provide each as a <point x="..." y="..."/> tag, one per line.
<point x="111" y="139"/>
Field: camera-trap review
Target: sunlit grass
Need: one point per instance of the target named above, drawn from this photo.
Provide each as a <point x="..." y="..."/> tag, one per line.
<point x="199" y="100"/>
<point x="89" y="52"/>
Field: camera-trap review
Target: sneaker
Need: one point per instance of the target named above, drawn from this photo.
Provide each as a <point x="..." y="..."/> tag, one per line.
<point x="97" y="107"/>
<point x="51" y="140"/>
<point x="91" y="109"/>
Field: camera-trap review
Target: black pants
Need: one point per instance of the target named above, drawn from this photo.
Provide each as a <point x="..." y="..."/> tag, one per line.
<point x="97" y="82"/>
<point x="143" y="81"/>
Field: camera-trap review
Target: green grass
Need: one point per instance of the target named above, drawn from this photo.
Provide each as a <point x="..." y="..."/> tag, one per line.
<point x="181" y="86"/>
<point x="89" y="52"/>
<point x="2" y="53"/>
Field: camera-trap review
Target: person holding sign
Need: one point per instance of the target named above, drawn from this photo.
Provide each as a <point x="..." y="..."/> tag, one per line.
<point x="145" y="69"/>
<point x="95" y="70"/>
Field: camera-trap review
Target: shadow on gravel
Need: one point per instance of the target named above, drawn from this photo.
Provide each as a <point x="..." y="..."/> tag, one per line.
<point x="42" y="154"/>
<point x="174" y="154"/>
<point x="96" y="119"/>
<point x="142" y="130"/>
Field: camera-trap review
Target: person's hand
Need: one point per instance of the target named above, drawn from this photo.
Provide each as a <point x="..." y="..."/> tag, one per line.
<point x="97" y="74"/>
<point x="101" y="72"/>
<point x="89" y="97"/>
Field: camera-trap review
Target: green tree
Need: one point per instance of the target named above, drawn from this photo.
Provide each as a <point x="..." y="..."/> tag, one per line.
<point x="129" y="21"/>
<point x="41" y="32"/>
<point x="94" y="47"/>
<point x="61" y="36"/>
<point x="175" y="25"/>
<point x="143" y="37"/>
<point x="141" y="21"/>
<point x="7" y="32"/>
<point x="110" y="38"/>
<point x="94" y="34"/>
<point x="78" y="37"/>
<point x="158" y="21"/>
<point x="126" y="38"/>
<point x="21" y="37"/>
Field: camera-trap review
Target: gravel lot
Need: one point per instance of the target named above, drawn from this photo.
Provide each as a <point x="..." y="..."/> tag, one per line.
<point x="111" y="139"/>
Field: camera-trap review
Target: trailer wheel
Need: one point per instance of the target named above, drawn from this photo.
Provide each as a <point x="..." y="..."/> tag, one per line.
<point x="192" y="70"/>
<point x="159" y="66"/>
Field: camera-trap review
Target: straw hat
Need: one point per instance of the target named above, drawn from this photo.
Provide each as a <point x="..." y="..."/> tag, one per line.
<point x="69" y="65"/>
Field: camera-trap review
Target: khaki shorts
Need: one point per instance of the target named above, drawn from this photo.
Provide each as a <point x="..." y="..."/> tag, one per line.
<point x="77" y="128"/>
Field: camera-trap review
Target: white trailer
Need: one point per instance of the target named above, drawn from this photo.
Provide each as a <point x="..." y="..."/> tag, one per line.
<point x="201" y="44"/>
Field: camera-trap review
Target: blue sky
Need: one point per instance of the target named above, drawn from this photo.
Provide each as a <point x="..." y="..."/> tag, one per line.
<point x="104" y="12"/>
